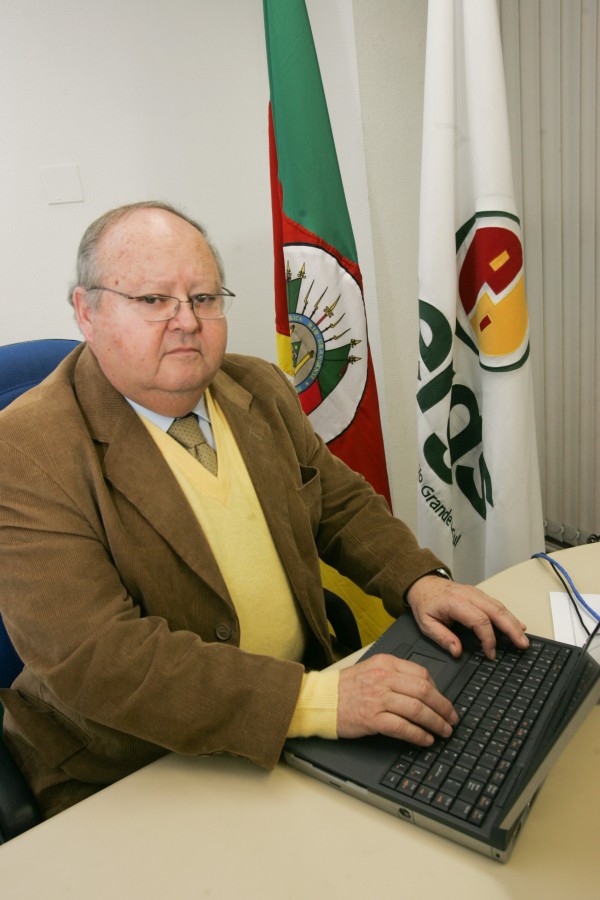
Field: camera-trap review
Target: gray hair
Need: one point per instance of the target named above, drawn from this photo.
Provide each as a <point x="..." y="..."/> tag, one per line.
<point x="87" y="271"/>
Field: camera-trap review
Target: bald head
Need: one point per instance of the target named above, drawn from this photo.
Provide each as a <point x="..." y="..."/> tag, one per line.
<point x="88" y="265"/>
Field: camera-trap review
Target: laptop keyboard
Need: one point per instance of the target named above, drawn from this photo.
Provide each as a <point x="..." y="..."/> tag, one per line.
<point x="497" y="708"/>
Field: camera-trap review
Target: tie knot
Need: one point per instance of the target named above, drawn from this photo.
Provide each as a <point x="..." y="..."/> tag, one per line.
<point x="187" y="431"/>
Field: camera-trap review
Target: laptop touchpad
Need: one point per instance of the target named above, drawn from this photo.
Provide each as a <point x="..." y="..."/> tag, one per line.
<point x="434" y="666"/>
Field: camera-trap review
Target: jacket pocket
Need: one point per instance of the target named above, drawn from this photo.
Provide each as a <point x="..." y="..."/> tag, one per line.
<point x="309" y="494"/>
<point x="55" y="737"/>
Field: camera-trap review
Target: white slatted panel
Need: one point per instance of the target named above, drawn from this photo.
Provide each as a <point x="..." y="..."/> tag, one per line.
<point x="552" y="63"/>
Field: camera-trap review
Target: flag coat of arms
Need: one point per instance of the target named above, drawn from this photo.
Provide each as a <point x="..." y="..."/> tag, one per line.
<point x="320" y="314"/>
<point x="479" y="499"/>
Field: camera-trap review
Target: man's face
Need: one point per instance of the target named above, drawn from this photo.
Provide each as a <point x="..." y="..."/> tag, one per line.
<point x="164" y="366"/>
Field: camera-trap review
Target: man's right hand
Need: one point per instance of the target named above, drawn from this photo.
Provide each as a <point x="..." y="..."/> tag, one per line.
<point x="395" y="697"/>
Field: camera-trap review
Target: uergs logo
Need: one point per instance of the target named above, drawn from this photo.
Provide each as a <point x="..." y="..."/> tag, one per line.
<point x="327" y="329"/>
<point x="491" y="287"/>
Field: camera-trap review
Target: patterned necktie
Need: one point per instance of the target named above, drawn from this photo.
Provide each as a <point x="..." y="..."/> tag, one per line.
<point x="188" y="433"/>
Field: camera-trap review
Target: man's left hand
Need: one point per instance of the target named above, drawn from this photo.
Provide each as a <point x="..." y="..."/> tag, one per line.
<point x="437" y="603"/>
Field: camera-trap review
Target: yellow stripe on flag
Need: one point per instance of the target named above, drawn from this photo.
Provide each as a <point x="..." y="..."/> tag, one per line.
<point x="284" y="354"/>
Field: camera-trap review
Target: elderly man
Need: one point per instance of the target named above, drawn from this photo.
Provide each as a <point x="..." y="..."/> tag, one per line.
<point x="162" y="595"/>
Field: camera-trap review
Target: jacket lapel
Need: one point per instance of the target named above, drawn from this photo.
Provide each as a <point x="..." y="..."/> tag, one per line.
<point x="131" y="462"/>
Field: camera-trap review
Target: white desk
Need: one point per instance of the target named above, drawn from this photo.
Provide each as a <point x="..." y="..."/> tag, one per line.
<point x="218" y="827"/>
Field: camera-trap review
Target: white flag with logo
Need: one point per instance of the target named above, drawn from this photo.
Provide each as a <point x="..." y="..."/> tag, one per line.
<point x="479" y="503"/>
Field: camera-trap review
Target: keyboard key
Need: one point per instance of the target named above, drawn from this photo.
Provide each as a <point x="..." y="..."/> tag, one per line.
<point x="417" y="772"/>
<point x="443" y="801"/>
<point x="407" y="786"/>
<point x="462" y="732"/>
<point x="471" y="721"/>
<point x="424" y="793"/>
<point x="391" y="779"/>
<point x="437" y="774"/>
<point x="449" y="757"/>
<point x="482" y="735"/>
<point x="459" y="774"/>
<point x="467" y="761"/>
<point x="471" y="791"/>
<point x="477" y="816"/>
<point x="482" y="773"/>
<point x="452" y="787"/>
<point x="488" y="760"/>
<point x="476" y="748"/>
<point x="490" y="790"/>
<point x="427" y="757"/>
<point x="461" y="809"/>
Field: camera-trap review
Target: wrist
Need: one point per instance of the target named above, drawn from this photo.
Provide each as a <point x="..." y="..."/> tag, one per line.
<point x="436" y="573"/>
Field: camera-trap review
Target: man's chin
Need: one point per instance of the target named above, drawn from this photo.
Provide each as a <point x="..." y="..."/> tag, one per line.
<point x="187" y="375"/>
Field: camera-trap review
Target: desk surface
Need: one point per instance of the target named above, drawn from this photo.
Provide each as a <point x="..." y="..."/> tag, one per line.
<point x="219" y="827"/>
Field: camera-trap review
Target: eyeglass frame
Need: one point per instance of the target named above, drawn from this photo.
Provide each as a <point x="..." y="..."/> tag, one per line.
<point x="225" y="293"/>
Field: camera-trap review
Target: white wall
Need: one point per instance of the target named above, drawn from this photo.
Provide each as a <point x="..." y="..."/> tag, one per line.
<point x="168" y="99"/>
<point x="164" y="99"/>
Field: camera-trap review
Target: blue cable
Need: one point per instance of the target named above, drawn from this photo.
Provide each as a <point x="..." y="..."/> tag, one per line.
<point x="557" y="565"/>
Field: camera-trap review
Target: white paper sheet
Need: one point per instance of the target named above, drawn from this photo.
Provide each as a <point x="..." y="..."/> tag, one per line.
<point x="567" y="627"/>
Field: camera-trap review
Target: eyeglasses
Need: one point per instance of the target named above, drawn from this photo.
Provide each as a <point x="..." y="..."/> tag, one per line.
<point x="159" y="307"/>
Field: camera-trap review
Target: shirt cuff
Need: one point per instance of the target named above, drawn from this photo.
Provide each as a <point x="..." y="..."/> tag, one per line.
<point x="316" y="710"/>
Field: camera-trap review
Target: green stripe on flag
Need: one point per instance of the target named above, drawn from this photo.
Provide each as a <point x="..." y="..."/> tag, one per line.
<point x="313" y="193"/>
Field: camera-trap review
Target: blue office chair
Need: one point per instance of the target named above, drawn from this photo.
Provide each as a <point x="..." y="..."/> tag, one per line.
<point x="22" y="366"/>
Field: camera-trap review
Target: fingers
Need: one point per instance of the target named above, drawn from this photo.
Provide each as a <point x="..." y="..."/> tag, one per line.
<point x="437" y="604"/>
<point x="393" y="697"/>
<point x="505" y="622"/>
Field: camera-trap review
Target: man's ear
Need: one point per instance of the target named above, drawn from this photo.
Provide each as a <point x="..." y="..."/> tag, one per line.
<point x="83" y="313"/>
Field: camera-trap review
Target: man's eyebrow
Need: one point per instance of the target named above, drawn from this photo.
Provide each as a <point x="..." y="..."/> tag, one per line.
<point x="166" y="292"/>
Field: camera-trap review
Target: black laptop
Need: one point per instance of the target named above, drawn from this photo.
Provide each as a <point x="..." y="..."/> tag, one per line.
<point x="517" y="713"/>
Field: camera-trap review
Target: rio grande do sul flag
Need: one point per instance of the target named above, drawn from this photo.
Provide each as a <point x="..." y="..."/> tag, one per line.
<point x="320" y="313"/>
<point x="479" y="503"/>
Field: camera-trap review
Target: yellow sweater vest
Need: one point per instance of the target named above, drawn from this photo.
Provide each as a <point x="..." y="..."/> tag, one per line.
<point x="233" y="523"/>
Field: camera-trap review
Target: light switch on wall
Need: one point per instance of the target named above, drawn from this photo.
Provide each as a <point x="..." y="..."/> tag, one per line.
<point x="62" y="184"/>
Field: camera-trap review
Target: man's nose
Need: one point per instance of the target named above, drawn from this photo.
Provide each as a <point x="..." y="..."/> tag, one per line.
<point x="184" y="318"/>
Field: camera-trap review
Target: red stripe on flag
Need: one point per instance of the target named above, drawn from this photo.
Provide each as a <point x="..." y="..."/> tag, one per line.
<point x="282" y="324"/>
<point x="361" y="444"/>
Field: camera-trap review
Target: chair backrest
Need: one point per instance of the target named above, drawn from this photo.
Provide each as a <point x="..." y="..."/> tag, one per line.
<point x="18" y="808"/>
<point x="22" y="366"/>
<point x="10" y="663"/>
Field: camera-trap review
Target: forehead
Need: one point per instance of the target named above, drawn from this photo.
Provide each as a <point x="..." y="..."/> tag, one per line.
<point x="154" y="239"/>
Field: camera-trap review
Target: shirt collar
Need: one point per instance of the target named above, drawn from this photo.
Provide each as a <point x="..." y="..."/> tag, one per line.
<point x="165" y="422"/>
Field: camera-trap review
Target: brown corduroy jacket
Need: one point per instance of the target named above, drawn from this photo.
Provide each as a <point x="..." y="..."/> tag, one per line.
<point x="114" y="601"/>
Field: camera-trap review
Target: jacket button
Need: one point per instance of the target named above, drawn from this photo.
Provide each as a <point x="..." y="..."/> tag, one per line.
<point x="223" y="632"/>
